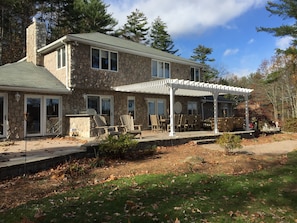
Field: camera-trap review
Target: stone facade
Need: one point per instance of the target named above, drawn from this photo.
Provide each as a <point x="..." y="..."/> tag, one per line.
<point x="36" y="39"/>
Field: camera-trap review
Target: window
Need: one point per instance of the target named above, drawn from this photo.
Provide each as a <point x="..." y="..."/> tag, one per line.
<point x="160" y="69"/>
<point x="103" y="59"/>
<point x="61" y="58"/>
<point x="192" y="108"/>
<point x="131" y="106"/>
<point x="195" y="74"/>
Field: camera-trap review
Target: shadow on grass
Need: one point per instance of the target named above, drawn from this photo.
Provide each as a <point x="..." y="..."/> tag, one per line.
<point x="265" y="196"/>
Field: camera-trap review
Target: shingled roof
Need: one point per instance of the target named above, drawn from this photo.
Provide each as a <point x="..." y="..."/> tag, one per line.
<point x="24" y="76"/>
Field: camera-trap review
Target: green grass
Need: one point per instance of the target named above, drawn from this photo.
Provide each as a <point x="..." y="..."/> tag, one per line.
<point x="266" y="196"/>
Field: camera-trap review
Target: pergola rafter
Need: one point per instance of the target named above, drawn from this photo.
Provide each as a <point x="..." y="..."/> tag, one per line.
<point x="188" y="88"/>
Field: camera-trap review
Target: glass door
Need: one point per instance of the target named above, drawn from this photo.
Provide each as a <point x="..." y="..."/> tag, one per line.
<point x="53" y="120"/>
<point x="106" y="109"/>
<point x="43" y="115"/>
<point x="3" y="114"/>
<point x="33" y="116"/>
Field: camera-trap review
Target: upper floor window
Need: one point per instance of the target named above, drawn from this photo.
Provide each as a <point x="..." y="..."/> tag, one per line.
<point x="195" y="74"/>
<point x="160" y="69"/>
<point x="61" y="58"/>
<point x="103" y="59"/>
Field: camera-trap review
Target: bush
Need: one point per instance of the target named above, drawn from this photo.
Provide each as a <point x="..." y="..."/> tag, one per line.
<point x="290" y="125"/>
<point x="116" y="147"/>
<point x="229" y="142"/>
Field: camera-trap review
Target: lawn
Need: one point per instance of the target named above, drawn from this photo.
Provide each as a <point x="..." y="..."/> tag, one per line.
<point x="264" y="196"/>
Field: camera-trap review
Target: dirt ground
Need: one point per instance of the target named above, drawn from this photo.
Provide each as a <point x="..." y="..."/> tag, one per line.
<point x="190" y="157"/>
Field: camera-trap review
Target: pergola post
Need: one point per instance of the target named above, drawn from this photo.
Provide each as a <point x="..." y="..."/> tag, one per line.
<point x="215" y="111"/>
<point x="171" y="95"/>
<point x="247" y="119"/>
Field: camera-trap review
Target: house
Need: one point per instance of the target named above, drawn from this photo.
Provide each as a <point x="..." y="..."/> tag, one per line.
<point x="57" y="87"/>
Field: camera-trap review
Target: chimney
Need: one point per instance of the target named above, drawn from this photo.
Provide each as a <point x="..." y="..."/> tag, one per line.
<point x="36" y="39"/>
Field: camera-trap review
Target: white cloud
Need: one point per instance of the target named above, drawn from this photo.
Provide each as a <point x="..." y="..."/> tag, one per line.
<point x="284" y="42"/>
<point x="251" y="41"/>
<point x="229" y="52"/>
<point x="187" y="16"/>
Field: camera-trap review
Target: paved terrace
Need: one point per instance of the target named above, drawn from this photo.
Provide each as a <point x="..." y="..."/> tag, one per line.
<point x="34" y="154"/>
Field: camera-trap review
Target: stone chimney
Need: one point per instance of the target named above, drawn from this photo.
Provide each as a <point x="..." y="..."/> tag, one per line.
<point x="36" y="39"/>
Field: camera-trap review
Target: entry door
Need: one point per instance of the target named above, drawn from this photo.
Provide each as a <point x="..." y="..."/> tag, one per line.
<point x="33" y="115"/>
<point x="3" y="115"/>
<point x="107" y="109"/>
<point x="156" y="107"/>
<point x="103" y="104"/>
<point x="43" y="115"/>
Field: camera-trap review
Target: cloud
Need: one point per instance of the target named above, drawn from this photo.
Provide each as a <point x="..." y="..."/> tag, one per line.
<point x="229" y="52"/>
<point x="187" y="16"/>
<point x="284" y="42"/>
<point x="251" y="41"/>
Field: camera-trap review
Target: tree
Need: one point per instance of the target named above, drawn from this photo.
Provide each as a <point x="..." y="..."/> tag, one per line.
<point x="285" y="9"/>
<point x="200" y="54"/>
<point x="160" y="39"/>
<point x="136" y="28"/>
<point x="78" y="16"/>
<point x="15" y="16"/>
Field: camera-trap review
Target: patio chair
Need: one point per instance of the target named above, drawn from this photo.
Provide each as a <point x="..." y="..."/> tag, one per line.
<point x="155" y="123"/>
<point x="177" y="122"/>
<point x="103" y="128"/>
<point x="129" y="127"/>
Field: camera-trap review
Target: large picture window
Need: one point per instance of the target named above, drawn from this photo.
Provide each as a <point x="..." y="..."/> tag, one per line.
<point x="160" y="69"/>
<point x="103" y="59"/>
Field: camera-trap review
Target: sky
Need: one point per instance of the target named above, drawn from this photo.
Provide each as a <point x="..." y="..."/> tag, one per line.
<point x="226" y="26"/>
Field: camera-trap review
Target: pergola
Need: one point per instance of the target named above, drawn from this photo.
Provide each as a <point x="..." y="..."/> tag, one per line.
<point x="179" y="87"/>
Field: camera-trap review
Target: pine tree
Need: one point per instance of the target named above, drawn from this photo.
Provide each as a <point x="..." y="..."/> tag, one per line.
<point x="200" y="54"/>
<point x="160" y="39"/>
<point x="136" y="28"/>
<point x="285" y="9"/>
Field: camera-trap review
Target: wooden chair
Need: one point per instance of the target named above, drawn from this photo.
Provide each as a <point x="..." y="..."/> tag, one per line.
<point x="177" y="122"/>
<point x="155" y="123"/>
<point x="127" y="122"/>
<point x="103" y="128"/>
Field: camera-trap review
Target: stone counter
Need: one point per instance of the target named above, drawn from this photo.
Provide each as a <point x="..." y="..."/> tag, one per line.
<point x="81" y="125"/>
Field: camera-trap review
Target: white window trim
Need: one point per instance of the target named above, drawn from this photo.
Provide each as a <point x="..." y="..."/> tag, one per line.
<point x="59" y="52"/>
<point x="109" y="59"/>
<point x="131" y="98"/>
<point x="195" y="69"/>
<point x="159" y="75"/>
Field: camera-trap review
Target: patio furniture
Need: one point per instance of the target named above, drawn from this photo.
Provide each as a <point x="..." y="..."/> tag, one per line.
<point x="103" y="128"/>
<point x="127" y="122"/>
<point x="155" y="123"/>
<point x="177" y="122"/>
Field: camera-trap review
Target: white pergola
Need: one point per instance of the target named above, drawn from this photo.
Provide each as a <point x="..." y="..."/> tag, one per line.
<point x="179" y="87"/>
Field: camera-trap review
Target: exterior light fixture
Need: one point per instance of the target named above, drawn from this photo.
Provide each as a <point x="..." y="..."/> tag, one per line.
<point x="17" y="96"/>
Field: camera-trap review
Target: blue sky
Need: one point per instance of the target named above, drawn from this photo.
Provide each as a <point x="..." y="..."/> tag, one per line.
<point x="226" y="26"/>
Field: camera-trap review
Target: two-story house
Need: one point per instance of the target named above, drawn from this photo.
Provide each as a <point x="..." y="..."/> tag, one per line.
<point x="50" y="90"/>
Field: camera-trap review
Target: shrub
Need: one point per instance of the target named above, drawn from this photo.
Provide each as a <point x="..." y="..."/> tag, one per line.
<point x="290" y="125"/>
<point x="229" y="142"/>
<point x="116" y="147"/>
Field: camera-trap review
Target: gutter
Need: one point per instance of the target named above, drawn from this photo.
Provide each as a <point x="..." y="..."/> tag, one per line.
<point x="34" y="90"/>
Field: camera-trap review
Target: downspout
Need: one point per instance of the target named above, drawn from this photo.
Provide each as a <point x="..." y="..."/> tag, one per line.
<point x="68" y="85"/>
